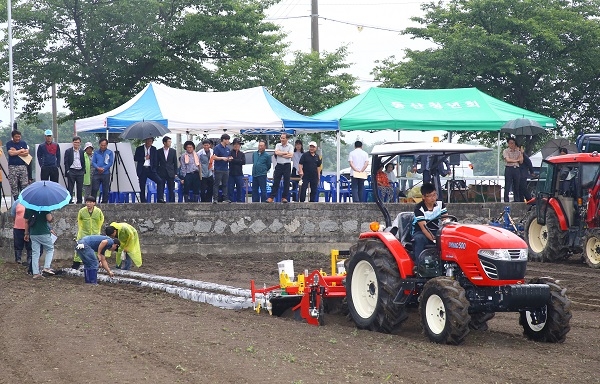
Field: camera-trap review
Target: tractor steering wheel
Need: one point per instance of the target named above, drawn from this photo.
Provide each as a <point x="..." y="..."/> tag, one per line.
<point x="449" y="219"/>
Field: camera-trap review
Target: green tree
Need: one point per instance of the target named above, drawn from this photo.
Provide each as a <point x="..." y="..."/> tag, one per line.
<point x="99" y="53"/>
<point x="33" y="130"/>
<point x="540" y="55"/>
<point x="311" y="83"/>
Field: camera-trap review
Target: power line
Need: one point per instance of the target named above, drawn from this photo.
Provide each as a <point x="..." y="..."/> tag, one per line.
<point x="338" y="21"/>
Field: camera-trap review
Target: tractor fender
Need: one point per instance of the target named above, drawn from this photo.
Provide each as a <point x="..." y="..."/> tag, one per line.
<point x="562" y="220"/>
<point x="405" y="263"/>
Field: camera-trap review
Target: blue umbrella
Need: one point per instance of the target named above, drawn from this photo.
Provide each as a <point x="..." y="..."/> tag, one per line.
<point x="44" y="196"/>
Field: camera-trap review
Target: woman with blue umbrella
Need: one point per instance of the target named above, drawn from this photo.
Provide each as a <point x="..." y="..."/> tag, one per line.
<point x="40" y="199"/>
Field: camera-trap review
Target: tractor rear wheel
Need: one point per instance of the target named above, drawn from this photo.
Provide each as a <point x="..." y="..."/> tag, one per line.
<point x="546" y="242"/>
<point x="555" y="327"/>
<point x="591" y="248"/>
<point x="372" y="283"/>
<point x="444" y="311"/>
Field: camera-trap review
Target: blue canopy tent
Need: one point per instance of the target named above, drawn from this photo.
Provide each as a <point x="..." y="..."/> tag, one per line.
<point x="249" y="111"/>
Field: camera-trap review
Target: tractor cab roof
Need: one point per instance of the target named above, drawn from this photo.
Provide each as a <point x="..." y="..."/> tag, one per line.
<point x="394" y="148"/>
<point x="593" y="157"/>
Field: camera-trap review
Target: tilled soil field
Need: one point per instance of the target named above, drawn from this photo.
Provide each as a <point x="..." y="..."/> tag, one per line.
<point x="59" y="330"/>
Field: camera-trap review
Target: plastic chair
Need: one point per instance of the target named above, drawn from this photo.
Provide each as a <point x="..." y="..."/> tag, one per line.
<point x="345" y="189"/>
<point x="332" y="180"/>
<point x="151" y="191"/>
<point x="327" y="189"/>
<point x="368" y="189"/>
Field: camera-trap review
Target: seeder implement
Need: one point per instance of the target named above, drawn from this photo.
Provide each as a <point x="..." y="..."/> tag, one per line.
<point x="304" y="298"/>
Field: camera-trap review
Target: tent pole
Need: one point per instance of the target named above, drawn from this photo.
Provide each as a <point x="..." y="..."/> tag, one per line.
<point x="498" y="164"/>
<point x="337" y="177"/>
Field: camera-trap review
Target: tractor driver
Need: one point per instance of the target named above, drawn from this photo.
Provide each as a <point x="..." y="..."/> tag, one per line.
<point x="427" y="218"/>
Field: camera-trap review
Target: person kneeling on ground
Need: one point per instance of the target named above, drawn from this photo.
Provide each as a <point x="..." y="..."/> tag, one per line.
<point x="427" y="218"/>
<point x="88" y="246"/>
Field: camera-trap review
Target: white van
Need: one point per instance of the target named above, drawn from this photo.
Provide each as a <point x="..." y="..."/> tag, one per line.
<point x="247" y="168"/>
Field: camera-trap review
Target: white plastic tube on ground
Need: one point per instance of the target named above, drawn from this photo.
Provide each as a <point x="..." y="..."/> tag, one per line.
<point x="218" y="300"/>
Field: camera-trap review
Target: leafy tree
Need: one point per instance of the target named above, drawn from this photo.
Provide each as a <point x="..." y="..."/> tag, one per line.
<point x="101" y="52"/>
<point x="540" y="55"/>
<point x="311" y="83"/>
<point x="33" y="130"/>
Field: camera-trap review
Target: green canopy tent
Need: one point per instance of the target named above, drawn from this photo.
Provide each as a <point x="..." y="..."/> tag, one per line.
<point x="455" y="110"/>
<point x="460" y="109"/>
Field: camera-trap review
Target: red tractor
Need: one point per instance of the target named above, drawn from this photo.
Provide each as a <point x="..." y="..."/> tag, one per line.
<point x="471" y="273"/>
<point x="567" y="220"/>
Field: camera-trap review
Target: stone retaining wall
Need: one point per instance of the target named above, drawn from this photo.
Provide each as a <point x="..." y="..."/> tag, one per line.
<point x="200" y="229"/>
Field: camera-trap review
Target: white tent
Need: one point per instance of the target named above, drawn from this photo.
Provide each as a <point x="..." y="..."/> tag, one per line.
<point x="251" y="110"/>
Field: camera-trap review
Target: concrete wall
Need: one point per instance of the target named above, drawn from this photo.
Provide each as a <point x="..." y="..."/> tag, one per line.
<point x="243" y="228"/>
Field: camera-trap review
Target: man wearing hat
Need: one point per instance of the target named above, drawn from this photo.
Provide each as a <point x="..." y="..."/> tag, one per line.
<point x="88" y="149"/>
<point x="48" y="156"/>
<point x="75" y="168"/>
<point x="146" y="157"/>
<point x="236" y="174"/>
<point x="309" y="172"/>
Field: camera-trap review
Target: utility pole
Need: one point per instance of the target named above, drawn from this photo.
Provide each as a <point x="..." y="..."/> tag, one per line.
<point x="13" y="123"/>
<point x="314" y="26"/>
<point x="54" y="113"/>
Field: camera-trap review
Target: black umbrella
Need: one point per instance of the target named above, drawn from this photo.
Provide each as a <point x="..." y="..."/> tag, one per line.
<point x="144" y="130"/>
<point x="552" y="147"/>
<point x="522" y="127"/>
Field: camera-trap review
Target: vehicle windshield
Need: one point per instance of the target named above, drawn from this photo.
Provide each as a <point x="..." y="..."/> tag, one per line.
<point x="589" y="175"/>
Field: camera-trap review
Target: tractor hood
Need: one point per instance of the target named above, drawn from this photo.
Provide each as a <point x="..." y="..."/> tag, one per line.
<point x="481" y="236"/>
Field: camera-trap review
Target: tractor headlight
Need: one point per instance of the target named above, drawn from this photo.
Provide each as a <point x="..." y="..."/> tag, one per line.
<point x="504" y="254"/>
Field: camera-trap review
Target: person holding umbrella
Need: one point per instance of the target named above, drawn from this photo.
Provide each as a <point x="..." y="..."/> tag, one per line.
<point x="146" y="157"/>
<point x="513" y="158"/>
<point x="38" y="232"/>
<point x="39" y="199"/>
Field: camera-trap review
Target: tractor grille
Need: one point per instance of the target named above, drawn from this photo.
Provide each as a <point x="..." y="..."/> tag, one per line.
<point x="514" y="253"/>
<point x="513" y="269"/>
<point x="490" y="269"/>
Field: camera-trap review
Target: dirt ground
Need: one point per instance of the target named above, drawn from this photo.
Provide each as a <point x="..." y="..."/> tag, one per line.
<point x="58" y="330"/>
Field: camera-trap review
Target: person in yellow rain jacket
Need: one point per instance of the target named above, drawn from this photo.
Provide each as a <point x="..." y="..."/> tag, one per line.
<point x="130" y="244"/>
<point x="90" y="220"/>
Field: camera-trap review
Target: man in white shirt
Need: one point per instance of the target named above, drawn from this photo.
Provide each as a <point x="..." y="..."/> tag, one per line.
<point x="359" y="160"/>
<point x="284" y="152"/>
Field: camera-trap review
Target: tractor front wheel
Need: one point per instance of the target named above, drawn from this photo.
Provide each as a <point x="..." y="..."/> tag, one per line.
<point x="372" y="283"/>
<point x="479" y="320"/>
<point x="444" y="311"/>
<point x="546" y="242"/>
<point x="591" y="248"/>
<point x="555" y="316"/>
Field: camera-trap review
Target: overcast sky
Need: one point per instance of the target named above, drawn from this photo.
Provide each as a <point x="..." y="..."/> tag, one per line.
<point x="371" y="29"/>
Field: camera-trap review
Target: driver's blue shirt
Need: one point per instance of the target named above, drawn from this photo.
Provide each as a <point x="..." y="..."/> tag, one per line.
<point x="431" y="217"/>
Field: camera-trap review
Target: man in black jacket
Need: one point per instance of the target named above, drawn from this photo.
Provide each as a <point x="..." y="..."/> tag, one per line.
<point x="146" y="157"/>
<point x="75" y="168"/>
<point x="236" y="173"/>
<point x="167" y="168"/>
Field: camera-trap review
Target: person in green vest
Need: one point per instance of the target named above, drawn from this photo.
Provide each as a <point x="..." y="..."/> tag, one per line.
<point x="87" y="177"/>
<point x="90" y="220"/>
